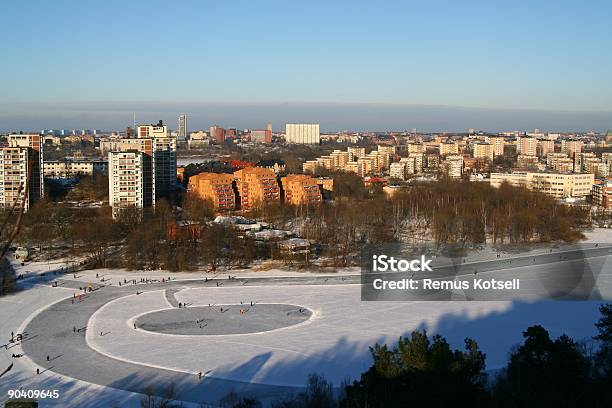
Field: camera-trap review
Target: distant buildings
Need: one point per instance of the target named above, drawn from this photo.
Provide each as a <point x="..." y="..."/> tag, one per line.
<point x="354" y="159"/>
<point x="74" y="167"/>
<point x="527" y="146"/>
<point x="261" y="136"/>
<point x="302" y="133"/>
<point x="217" y="133"/>
<point x="570" y="147"/>
<point x="21" y="164"/>
<point x="558" y="185"/>
<point x="182" y="127"/>
<point x="545" y="146"/>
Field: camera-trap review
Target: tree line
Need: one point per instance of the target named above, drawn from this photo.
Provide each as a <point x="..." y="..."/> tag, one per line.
<point x="442" y="212"/>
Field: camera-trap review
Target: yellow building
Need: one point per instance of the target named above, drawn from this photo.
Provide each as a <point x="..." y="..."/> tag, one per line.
<point x="498" y="143"/>
<point x="416" y="148"/>
<point x="215" y="187"/>
<point x="449" y="148"/>
<point x="256" y="187"/>
<point x="301" y="189"/>
<point x="356" y="153"/>
<point x="484" y="151"/>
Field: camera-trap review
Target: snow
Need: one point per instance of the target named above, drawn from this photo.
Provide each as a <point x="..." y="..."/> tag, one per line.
<point x="15" y="311"/>
<point x="334" y="341"/>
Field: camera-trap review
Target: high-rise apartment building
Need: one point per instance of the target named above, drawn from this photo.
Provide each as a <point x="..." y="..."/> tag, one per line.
<point x="545" y="146"/>
<point x="158" y="162"/>
<point x="484" y="151"/>
<point x="527" y="146"/>
<point x="356" y="152"/>
<point x="160" y="166"/>
<point x="216" y="187"/>
<point x="582" y="160"/>
<point x="398" y="170"/>
<point x="453" y="166"/>
<point x="256" y="187"/>
<point x="559" y="162"/>
<point x="126" y="181"/>
<point x="21" y="162"/>
<point x="498" y="143"/>
<point x="302" y="133"/>
<point x="571" y="147"/>
<point x="164" y="165"/>
<point x="449" y="147"/>
<point x="301" y="189"/>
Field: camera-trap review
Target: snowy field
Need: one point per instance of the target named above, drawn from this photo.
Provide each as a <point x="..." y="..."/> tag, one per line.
<point x="334" y="340"/>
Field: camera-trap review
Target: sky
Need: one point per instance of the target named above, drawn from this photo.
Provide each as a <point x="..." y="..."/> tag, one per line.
<point x="363" y="65"/>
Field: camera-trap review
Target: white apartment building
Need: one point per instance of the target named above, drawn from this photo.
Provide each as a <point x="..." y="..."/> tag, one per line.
<point x="73" y="167"/>
<point x="558" y="185"/>
<point x="159" y="130"/>
<point x="453" y="166"/>
<point x="126" y="180"/>
<point x="398" y="170"/>
<point x="302" y="133"/>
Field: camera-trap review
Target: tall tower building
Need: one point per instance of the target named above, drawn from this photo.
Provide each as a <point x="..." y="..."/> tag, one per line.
<point x="164" y="165"/>
<point x="182" y="127"/>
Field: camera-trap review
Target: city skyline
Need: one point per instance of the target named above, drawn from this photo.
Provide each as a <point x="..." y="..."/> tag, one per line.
<point x="462" y="61"/>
